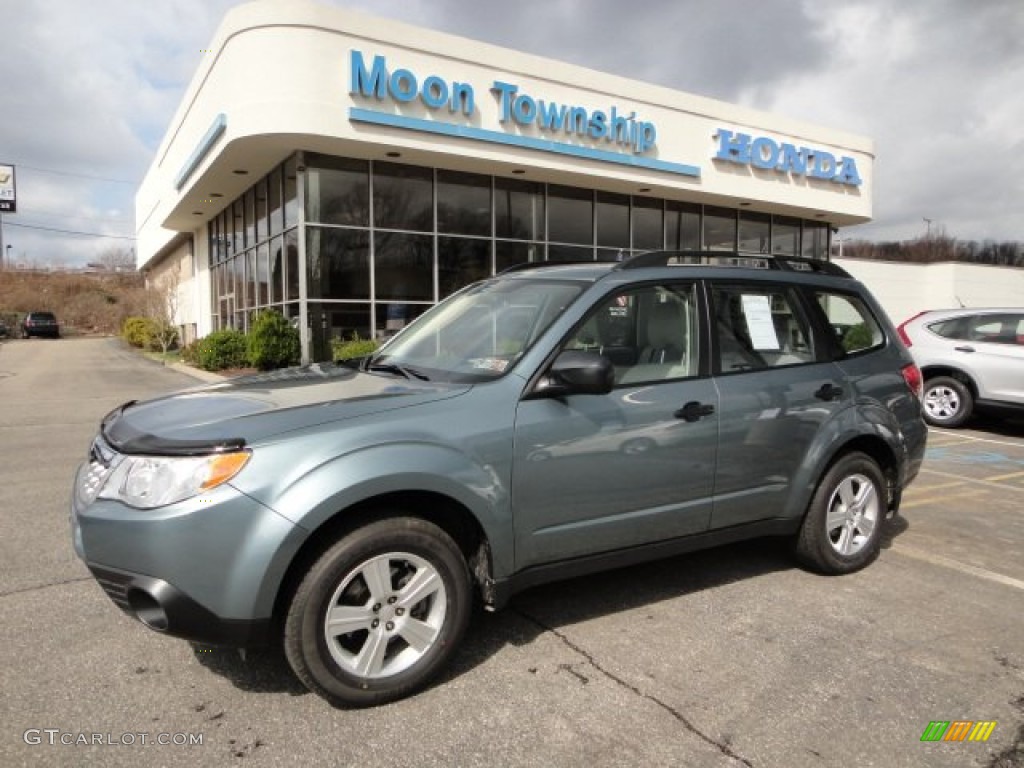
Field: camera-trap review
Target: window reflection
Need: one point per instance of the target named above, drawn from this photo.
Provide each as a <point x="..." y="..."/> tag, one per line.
<point x="648" y="226"/>
<point x="404" y="266"/>
<point x="463" y="203"/>
<point x="682" y="226"/>
<point x="403" y="197"/>
<point x="570" y="215"/>
<point x="719" y="229"/>
<point x="338" y="263"/>
<point x="461" y="261"/>
<point x="519" y="209"/>
<point x="338" y="191"/>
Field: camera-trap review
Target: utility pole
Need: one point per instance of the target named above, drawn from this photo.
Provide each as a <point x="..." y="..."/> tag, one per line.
<point x="928" y="232"/>
<point x="3" y="253"/>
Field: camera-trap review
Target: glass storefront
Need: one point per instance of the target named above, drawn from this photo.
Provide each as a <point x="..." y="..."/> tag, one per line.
<point x="385" y="241"/>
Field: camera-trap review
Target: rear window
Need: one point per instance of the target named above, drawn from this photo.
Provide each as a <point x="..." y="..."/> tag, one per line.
<point x="851" y="321"/>
<point x="43" y="317"/>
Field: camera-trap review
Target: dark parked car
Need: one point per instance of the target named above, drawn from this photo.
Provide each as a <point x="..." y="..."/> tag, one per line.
<point x="40" y="324"/>
<point x="545" y="423"/>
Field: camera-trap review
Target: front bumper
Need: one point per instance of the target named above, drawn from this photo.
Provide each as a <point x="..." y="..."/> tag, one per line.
<point x="207" y="569"/>
<point x="162" y="607"/>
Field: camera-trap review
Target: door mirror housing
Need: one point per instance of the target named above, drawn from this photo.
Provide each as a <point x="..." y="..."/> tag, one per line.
<point x="575" y="372"/>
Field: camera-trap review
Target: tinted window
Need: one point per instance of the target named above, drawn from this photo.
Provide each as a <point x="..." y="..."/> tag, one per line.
<point x="759" y="326"/>
<point x="649" y="334"/>
<point x="851" y="321"/>
<point x="996" y="329"/>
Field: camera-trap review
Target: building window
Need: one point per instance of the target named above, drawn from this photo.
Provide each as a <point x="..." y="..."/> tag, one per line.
<point x="612" y="220"/>
<point x="754" y="232"/>
<point x="682" y="226"/>
<point x="785" y="236"/>
<point x="719" y="229"/>
<point x="337" y="263"/>
<point x="518" y="209"/>
<point x="404" y="266"/>
<point x="461" y="261"/>
<point x="463" y="203"/>
<point x="570" y="215"/>
<point x="337" y="191"/>
<point x="648" y="224"/>
<point x="403" y="197"/>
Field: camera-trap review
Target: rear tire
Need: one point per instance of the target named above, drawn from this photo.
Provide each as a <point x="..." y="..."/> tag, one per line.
<point x="379" y="613"/>
<point x="947" y="402"/>
<point x="842" y="529"/>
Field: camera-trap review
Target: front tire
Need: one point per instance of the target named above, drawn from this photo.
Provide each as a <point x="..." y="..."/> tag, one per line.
<point x="947" y="402"/>
<point x="379" y="613"/>
<point x="842" y="529"/>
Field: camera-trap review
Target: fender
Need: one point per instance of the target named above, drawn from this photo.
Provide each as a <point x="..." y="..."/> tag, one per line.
<point x="853" y="422"/>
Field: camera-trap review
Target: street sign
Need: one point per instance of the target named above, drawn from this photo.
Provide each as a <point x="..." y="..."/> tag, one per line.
<point x="8" y="190"/>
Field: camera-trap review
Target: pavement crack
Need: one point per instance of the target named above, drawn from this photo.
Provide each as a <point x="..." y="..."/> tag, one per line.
<point x="38" y="587"/>
<point x="722" y="747"/>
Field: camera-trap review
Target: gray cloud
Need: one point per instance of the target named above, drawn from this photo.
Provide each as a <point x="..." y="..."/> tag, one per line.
<point x="89" y="88"/>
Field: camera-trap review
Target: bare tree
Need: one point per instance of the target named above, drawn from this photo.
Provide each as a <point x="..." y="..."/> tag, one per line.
<point x="118" y="259"/>
<point x="161" y="306"/>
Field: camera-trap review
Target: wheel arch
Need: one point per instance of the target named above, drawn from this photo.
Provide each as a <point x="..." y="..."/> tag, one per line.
<point x="936" y="371"/>
<point x="445" y="512"/>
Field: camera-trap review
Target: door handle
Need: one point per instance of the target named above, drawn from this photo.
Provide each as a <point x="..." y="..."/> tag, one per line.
<point x="828" y="391"/>
<point x="694" y="411"/>
<point x="964" y="349"/>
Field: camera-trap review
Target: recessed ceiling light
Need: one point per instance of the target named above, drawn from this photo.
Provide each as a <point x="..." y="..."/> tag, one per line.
<point x="744" y="204"/>
<point x="518" y="171"/>
<point x="393" y="154"/>
<point x="216" y="194"/>
<point x="197" y="213"/>
<point x="645" y="189"/>
<point x="240" y="172"/>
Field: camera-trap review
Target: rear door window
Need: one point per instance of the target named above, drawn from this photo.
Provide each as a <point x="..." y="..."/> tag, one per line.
<point x="759" y="326"/>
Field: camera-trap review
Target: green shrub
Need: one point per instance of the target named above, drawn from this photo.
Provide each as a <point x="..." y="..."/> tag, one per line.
<point x="342" y="349"/>
<point x="272" y="341"/>
<point x="138" y="331"/>
<point x="857" y="337"/>
<point x="190" y="353"/>
<point x="222" y="349"/>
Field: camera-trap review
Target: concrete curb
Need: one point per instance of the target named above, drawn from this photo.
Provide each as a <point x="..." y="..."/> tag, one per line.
<point x="197" y="373"/>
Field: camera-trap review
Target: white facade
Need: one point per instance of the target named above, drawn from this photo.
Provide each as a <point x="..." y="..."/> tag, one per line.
<point x="904" y="289"/>
<point x="287" y="76"/>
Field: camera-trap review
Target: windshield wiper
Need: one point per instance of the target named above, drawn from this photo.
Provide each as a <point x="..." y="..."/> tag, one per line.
<point x="402" y="370"/>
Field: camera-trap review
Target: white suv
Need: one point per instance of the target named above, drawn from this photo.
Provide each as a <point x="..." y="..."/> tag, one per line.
<point x="969" y="358"/>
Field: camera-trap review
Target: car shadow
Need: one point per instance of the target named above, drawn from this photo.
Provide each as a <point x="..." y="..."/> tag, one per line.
<point x="1004" y="424"/>
<point x="550" y="607"/>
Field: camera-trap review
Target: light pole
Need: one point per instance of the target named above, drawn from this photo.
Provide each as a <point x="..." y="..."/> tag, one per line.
<point x="928" y="225"/>
<point x="7" y="256"/>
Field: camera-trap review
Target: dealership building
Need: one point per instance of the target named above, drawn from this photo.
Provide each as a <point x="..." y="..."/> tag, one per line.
<point x="351" y="171"/>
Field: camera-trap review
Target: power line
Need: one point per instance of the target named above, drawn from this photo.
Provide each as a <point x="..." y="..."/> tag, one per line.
<point x="67" y="231"/>
<point x="76" y="175"/>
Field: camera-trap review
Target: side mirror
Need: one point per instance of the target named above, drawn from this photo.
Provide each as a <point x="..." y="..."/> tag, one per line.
<point x="576" y="373"/>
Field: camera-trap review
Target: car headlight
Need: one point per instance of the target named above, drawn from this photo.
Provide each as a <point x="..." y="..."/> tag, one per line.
<point x="155" y="481"/>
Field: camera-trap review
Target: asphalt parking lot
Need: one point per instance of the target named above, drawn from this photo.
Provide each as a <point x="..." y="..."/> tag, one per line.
<point x="732" y="657"/>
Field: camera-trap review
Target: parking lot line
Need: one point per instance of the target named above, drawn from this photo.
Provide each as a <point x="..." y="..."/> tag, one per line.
<point x="1007" y="476"/>
<point x="937" y="486"/>
<point x="972" y="439"/>
<point x="935" y="499"/>
<point x="956" y="565"/>
<point x="972" y="480"/>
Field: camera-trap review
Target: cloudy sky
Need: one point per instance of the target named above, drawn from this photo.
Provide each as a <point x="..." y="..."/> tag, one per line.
<point x="88" y="89"/>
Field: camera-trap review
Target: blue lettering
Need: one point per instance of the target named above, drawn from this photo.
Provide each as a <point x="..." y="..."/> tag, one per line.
<point x="462" y="99"/>
<point x="824" y="165"/>
<point x="372" y="83"/>
<point x="848" y="172"/>
<point x="793" y="160"/>
<point x="767" y="154"/>
<point x="619" y="129"/>
<point x="551" y="116"/>
<point x="524" y="109"/>
<point x="577" y="123"/>
<point x="598" y="124"/>
<point x="734" y="148"/>
<point x="647" y="135"/>
<point x="764" y="153"/>
<point x="402" y="85"/>
<point x="507" y="92"/>
<point x="435" y="92"/>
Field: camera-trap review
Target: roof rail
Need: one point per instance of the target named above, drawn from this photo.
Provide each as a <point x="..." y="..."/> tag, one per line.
<point x="539" y="264"/>
<point x="732" y="259"/>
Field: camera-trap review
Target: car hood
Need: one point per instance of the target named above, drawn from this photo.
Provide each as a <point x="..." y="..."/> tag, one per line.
<point x="248" y="409"/>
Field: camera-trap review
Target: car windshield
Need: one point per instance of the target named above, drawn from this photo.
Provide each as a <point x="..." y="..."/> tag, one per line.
<point x="479" y="333"/>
